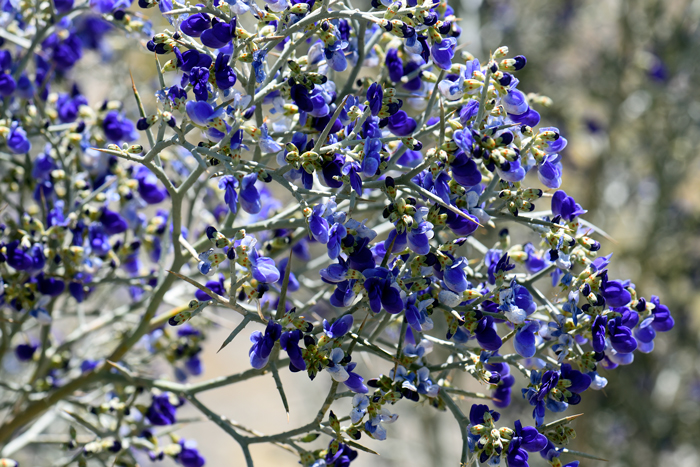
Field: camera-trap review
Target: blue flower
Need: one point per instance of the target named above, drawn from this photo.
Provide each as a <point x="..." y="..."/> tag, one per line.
<point x="524" y="341"/>
<point x="17" y="140"/>
<point x="516" y="303"/>
<point x="550" y="171"/>
<point x="614" y="292"/>
<point x="663" y="321"/>
<point x="163" y="409"/>
<point x="455" y="276"/>
<point x="530" y="118"/>
<point x="113" y="222"/>
<point x="266" y="143"/>
<point x="394" y="65"/>
<point x="118" y="129"/>
<point x="565" y="206"/>
<point x="375" y="96"/>
<point x="486" y="334"/>
<point x="401" y="124"/>
<point x="416" y="314"/>
<point x="223" y="73"/>
<point x="621" y="337"/>
<point x="598" y="333"/>
<point x="339" y="328"/>
<point x="263" y="268"/>
<point x="515" y="102"/>
<point x="195" y="24"/>
<point x="289" y="341"/>
<point x="419" y="237"/>
<point x="25" y="352"/>
<point x="216" y="286"/>
<point x="199" y="79"/>
<point x="228" y="183"/>
<point x="220" y="34"/>
<point x="263" y="344"/>
<point x="249" y="196"/>
<point x="150" y="189"/>
<point x="189" y="456"/>
<point x="258" y="65"/>
<point x="370" y="163"/>
<point x="443" y="52"/>
<point x="343" y="456"/>
<point x="382" y="291"/>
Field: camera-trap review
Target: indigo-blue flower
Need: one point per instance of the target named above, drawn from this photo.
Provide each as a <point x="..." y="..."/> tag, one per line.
<point x="17" y="140"/>
<point x="150" y="188"/>
<point x="289" y="341"/>
<point x="189" y="456"/>
<point x="263" y="344"/>
<point x="195" y="24"/>
<point x="565" y="206"/>
<point x="228" y="183"/>
<point x="162" y="410"/>
<point x="339" y="328"/>
<point x="401" y="124"/>
<point x="375" y="95"/>
<point x="250" y="196"/>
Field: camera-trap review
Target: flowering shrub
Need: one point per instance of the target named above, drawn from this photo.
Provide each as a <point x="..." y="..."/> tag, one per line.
<point x="340" y="213"/>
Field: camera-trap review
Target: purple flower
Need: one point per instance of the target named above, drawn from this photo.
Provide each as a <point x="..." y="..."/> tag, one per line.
<point x="150" y="189"/>
<point x="50" y="285"/>
<point x="375" y="95"/>
<point x="455" y="277"/>
<point x="394" y="65"/>
<point x="215" y="286"/>
<point x="419" y="237"/>
<point x="401" y="124"/>
<point x="263" y="268"/>
<point x="355" y="382"/>
<point x="486" y="334"/>
<point x="17" y="140"/>
<point x="118" y="129"/>
<point x="477" y="412"/>
<point x="189" y="456"/>
<point x="113" y="222"/>
<point x="229" y="184"/>
<point x="529" y="118"/>
<point x="25" y="352"/>
<point x="443" y="52"/>
<point x="382" y="291"/>
<point x="220" y="33"/>
<point x="621" y="337"/>
<point x="565" y="206"/>
<point x="343" y="456"/>
<point x="370" y="163"/>
<point x="199" y="79"/>
<point x="614" y="292"/>
<point x="598" y="333"/>
<point x="515" y="103"/>
<point x="249" y="196"/>
<point x="524" y="341"/>
<point x="663" y="321"/>
<point x="7" y="84"/>
<point x="195" y="25"/>
<point x="339" y="328"/>
<point x="263" y="344"/>
<point x="162" y="412"/>
<point x="223" y="73"/>
<point x="289" y="341"/>
<point x="550" y="171"/>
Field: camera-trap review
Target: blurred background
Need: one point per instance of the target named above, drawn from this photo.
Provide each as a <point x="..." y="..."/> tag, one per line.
<point x="624" y="76"/>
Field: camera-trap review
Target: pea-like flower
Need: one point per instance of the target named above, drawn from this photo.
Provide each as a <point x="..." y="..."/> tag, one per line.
<point x="263" y="344"/>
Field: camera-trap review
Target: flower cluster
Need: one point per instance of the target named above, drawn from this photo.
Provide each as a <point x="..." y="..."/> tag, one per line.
<point x="338" y="215"/>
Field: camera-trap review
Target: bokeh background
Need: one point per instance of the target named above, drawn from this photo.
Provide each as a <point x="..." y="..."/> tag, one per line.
<point x="624" y="76"/>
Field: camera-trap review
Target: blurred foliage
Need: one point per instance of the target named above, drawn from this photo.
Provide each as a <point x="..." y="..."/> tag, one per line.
<point x="625" y="80"/>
